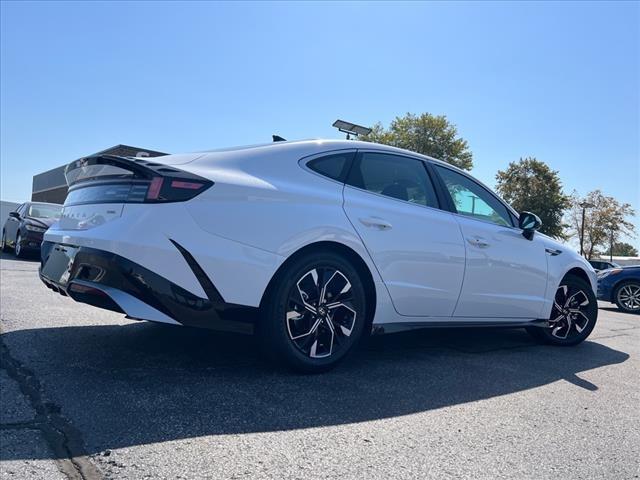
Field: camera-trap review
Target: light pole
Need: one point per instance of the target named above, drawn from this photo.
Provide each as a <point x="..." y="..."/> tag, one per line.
<point x="612" y="228"/>
<point x="584" y="206"/>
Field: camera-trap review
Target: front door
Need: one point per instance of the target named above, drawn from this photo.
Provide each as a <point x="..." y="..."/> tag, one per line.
<point x="11" y="227"/>
<point x="506" y="274"/>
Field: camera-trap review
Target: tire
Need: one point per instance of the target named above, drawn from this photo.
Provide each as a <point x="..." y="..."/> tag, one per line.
<point x="573" y="316"/>
<point x="303" y="329"/>
<point x="17" y="248"/>
<point x="627" y="296"/>
<point x="3" y="242"/>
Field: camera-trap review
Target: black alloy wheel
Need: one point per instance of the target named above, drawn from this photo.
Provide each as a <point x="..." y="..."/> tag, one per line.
<point x="573" y="316"/>
<point x="317" y="313"/>
<point x="320" y="313"/>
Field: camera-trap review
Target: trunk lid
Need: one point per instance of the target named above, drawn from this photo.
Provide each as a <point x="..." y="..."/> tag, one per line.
<point x="100" y="186"/>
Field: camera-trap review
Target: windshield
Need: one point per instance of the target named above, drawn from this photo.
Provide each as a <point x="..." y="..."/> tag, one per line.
<point x="42" y="210"/>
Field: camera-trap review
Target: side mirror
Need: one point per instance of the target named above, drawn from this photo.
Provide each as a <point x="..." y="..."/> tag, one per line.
<point x="529" y="223"/>
<point x="14" y="214"/>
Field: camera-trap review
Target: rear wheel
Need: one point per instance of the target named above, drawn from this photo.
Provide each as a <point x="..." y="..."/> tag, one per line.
<point x="573" y="316"/>
<point x="627" y="297"/>
<point x="316" y="313"/>
<point x="19" y="251"/>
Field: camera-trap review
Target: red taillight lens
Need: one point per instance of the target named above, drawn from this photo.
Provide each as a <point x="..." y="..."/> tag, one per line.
<point x="186" y="185"/>
<point x="78" y="288"/>
<point x="154" y="188"/>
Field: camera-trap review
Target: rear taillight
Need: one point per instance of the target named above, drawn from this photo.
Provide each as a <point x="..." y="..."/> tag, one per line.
<point x="154" y="188"/>
<point x="109" y="179"/>
<point x="172" y="189"/>
<point x="187" y="185"/>
<point x="79" y="288"/>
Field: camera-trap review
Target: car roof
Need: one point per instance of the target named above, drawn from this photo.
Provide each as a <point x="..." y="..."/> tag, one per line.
<point x="43" y="203"/>
<point x="320" y="144"/>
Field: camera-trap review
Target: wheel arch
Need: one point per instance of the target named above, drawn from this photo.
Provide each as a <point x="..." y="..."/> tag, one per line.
<point x="334" y="247"/>
<point x="580" y="273"/>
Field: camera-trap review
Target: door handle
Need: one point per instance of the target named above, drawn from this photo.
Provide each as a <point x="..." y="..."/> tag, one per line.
<point x="478" y="242"/>
<point x="375" y="222"/>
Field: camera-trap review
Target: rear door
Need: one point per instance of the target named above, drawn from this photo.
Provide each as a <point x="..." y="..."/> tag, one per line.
<point x="416" y="247"/>
<point x="506" y="274"/>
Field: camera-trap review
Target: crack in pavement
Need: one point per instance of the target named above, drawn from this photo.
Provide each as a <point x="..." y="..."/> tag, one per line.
<point x="64" y="440"/>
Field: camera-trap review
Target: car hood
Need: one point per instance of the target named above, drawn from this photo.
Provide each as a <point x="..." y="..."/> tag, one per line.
<point x="41" y="222"/>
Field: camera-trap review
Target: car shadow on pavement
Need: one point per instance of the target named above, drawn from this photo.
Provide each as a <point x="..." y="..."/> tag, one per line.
<point x="141" y="383"/>
<point x="28" y="256"/>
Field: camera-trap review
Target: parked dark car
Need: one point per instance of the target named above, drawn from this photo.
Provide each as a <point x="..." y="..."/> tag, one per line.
<point x="25" y="226"/>
<point x="621" y="286"/>
<point x="602" y="265"/>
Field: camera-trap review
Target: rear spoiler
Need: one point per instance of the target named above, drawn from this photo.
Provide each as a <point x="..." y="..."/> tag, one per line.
<point x="100" y="167"/>
<point x="146" y="180"/>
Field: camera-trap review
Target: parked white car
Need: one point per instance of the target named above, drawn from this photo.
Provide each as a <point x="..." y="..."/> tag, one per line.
<point x="311" y="244"/>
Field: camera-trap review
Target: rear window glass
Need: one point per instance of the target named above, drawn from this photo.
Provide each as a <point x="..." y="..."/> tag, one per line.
<point x="117" y="193"/>
<point x="96" y="171"/>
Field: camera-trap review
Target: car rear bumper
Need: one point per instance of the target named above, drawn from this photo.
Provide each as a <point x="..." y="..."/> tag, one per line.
<point x="107" y="280"/>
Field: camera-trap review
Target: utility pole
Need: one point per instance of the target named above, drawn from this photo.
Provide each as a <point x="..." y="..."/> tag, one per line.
<point x="611" y="227"/>
<point x="584" y="206"/>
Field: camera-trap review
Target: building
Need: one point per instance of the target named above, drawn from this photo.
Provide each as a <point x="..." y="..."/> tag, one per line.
<point x="5" y="208"/>
<point x="51" y="186"/>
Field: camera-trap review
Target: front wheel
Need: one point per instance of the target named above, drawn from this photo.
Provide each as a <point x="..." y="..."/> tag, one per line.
<point x="573" y="316"/>
<point x="3" y="242"/>
<point x="627" y="297"/>
<point x="316" y="313"/>
<point x="18" y="250"/>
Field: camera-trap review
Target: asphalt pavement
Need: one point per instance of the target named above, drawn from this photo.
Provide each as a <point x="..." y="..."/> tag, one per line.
<point x="86" y="394"/>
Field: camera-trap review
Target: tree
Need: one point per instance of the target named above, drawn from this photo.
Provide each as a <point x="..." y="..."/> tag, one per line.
<point x="623" y="249"/>
<point x="428" y="134"/>
<point x="605" y="222"/>
<point x="530" y="185"/>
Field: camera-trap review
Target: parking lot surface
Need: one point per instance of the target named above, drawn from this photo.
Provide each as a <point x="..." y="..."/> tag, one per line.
<point x="88" y="394"/>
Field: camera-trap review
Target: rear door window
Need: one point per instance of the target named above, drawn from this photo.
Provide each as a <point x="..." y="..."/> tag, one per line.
<point x="395" y="176"/>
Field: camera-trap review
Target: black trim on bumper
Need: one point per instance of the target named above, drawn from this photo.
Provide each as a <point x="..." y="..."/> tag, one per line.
<point x="111" y="270"/>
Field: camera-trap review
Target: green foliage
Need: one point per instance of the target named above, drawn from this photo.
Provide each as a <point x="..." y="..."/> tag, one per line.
<point x="428" y="134"/>
<point x="623" y="249"/>
<point x="530" y="185"/>
<point x="605" y="221"/>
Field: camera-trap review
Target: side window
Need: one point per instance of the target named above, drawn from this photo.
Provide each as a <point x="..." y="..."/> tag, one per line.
<point x="394" y="176"/>
<point x="332" y="166"/>
<point x="21" y="209"/>
<point x="472" y="200"/>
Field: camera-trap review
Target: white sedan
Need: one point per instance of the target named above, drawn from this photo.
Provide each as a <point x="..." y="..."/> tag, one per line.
<point x="311" y="245"/>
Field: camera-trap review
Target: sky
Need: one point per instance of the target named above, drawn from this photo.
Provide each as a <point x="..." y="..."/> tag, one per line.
<point x="558" y="81"/>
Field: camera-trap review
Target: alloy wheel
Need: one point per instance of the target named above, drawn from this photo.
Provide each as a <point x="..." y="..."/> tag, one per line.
<point x="320" y="312"/>
<point x="629" y="296"/>
<point x="18" y="248"/>
<point x="569" y="314"/>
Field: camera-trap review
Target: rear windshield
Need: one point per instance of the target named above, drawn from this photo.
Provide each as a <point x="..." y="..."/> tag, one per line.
<point x="41" y="210"/>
